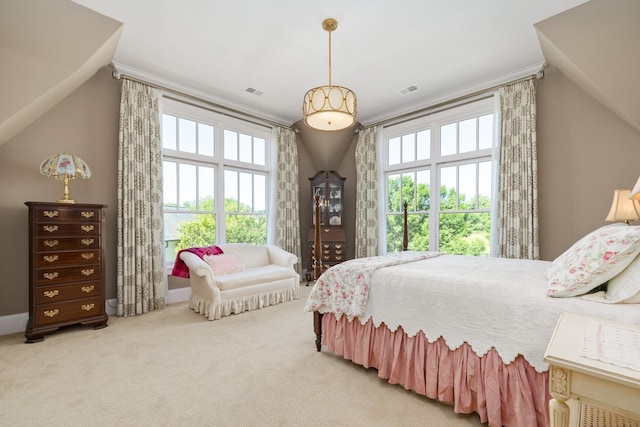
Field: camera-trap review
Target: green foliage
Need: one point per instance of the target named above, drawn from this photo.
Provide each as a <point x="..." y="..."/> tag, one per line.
<point x="240" y="228"/>
<point x="198" y="232"/>
<point x="460" y="233"/>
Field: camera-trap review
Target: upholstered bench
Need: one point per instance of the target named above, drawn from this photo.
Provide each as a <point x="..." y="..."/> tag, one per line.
<point x="245" y="277"/>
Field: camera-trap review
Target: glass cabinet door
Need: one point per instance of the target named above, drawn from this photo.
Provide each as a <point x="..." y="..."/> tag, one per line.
<point x="334" y="205"/>
<point x="330" y="187"/>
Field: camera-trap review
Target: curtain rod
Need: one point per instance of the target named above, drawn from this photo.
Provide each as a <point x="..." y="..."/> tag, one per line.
<point x="455" y="102"/>
<point x="220" y="109"/>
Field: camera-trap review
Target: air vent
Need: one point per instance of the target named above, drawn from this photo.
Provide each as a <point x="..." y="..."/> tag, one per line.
<point x="405" y="90"/>
<point x="254" y="91"/>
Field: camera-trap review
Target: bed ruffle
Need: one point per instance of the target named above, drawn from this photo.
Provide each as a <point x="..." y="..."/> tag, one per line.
<point x="214" y="311"/>
<point x="510" y="395"/>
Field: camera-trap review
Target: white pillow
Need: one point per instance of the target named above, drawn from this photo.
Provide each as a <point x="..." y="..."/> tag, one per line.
<point x="625" y="287"/>
<point x="596" y="258"/>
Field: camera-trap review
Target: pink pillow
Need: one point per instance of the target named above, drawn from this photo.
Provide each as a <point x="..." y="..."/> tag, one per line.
<point x="224" y="263"/>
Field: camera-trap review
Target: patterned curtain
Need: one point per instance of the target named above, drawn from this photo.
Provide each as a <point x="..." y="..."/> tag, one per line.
<point x="518" y="186"/>
<point x="366" y="194"/>
<point x="140" y="273"/>
<point x="287" y="206"/>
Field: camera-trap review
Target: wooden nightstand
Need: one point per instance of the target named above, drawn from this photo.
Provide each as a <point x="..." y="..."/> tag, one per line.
<point x="602" y="394"/>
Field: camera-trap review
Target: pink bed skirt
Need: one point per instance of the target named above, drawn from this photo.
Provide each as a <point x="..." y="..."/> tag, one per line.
<point x="509" y="395"/>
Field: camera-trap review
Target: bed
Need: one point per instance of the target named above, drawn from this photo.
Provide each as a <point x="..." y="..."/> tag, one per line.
<point x="472" y="331"/>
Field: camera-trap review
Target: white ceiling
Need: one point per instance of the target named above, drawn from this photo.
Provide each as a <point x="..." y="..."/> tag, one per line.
<point x="218" y="49"/>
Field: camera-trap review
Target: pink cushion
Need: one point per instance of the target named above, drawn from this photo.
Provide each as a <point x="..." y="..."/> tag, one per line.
<point x="224" y="263"/>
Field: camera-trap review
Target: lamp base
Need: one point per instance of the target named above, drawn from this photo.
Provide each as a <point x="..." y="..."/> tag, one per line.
<point x="66" y="201"/>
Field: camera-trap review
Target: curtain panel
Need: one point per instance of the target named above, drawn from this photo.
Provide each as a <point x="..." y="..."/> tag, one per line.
<point x="518" y="169"/>
<point x="287" y="194"/>
<point x="366" y="243"/>
<point x="140" y="269"/>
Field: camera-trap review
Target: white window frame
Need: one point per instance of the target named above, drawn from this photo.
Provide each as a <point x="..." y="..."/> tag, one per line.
<point x="436" y="162"/>
<point x="220" y="123"/>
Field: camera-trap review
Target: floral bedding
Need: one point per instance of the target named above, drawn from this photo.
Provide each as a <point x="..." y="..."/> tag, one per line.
<point x="344" y="288"/>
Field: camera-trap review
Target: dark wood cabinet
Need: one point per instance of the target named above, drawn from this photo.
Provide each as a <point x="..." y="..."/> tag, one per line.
<point x="329" y="186"/>
<point x="66" y="267"/>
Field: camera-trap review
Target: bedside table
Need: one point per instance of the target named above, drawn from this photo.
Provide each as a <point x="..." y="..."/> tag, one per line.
<point x="599" y="393"/>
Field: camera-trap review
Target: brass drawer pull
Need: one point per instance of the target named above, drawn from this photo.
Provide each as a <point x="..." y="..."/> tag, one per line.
<point x="338" y="246"/>
<point x="51" y="313"/>
<point x="326" y="246"/>
<point x="50" y="258"/>
<point x="87" y="272"/>
<point x="87" y="255"/>
<point x="338" y="258"/>
<point x="51" y="294"/>
<point x="87" y="241"/>
<point x="88" y="307"/>
<point x="87" y="289"/>
<point x="51" y="243"/>
<point x="50" y="228"/>
<point x="87" y="228"/>
<point x="338" y="252"/>
<point x="50" y="214"/>
<point x="50" y="276"/>
<point x="87" y="214"/>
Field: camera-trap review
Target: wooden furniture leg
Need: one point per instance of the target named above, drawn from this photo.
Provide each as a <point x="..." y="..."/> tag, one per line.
<point x="317" y="328"/>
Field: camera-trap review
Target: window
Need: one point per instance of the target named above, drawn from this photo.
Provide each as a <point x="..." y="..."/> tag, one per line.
<point x="215" y="179"/>
<point x="450" y="152"/>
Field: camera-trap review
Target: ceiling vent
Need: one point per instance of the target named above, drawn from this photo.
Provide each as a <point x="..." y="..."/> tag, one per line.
<point x="254" y="91"/>
<point x="405" y="90"/>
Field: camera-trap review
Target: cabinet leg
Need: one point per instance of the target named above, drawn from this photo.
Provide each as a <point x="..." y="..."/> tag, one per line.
<point x="34" y="338"/>
<point x="559" y="413"/>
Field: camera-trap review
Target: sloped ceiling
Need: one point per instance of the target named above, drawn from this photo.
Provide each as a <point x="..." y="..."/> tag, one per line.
<point x="47" y="50"/>
<point x="596" y="45"/>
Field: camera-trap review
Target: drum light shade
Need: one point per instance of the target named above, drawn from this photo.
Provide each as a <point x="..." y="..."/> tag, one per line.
<point x="329" y="108"/>
<point x="63" y="167"/>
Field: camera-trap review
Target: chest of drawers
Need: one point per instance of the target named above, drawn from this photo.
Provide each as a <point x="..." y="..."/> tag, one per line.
<point x="66" y="267"/>
<point x="333" y="247"/>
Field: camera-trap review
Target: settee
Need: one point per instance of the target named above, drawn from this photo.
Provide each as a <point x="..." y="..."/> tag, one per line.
<point x="254" y="276"/>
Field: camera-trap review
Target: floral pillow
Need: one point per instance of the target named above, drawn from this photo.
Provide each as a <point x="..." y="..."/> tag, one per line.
<point x="625" y="287"/>
<point x="591" y="261"/>
<point x="224" y="263"/>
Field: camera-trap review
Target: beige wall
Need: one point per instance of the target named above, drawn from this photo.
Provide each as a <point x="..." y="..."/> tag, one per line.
<point x="585" y="152"/>
<point x="85" y="124"/>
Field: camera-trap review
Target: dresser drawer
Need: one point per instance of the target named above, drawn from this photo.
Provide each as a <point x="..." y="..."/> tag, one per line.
<point x="57" y="293"/>
<point x="61" y="259"/>
<point x="52" y="214"/>
<point x="54" y="276"/>
<point x="67" y="243"/>
<point x="68" y="229"/>
<point x="68" y="311"/>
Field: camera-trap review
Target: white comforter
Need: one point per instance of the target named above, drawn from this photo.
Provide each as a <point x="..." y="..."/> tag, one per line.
<point x="487" y="302"/>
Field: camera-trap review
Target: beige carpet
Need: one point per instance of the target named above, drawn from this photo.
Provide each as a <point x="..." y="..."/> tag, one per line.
<point x="174" y="368"/>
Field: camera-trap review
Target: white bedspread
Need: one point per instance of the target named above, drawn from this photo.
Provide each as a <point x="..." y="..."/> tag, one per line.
<point x="487" y="302"/>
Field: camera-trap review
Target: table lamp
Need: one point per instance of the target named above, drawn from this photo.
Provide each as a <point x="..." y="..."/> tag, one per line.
<point x="64" y="166"/>
<point x="623" y="208"/>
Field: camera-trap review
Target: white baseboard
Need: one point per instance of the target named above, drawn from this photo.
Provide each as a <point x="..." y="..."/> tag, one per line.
<point x="178" y="295"/>
<point x="14" y="323"/>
